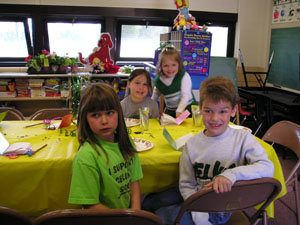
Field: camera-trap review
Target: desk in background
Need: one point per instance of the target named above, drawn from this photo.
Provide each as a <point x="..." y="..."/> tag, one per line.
<point x="38" y="184"/>
<point x="273" y="101"/>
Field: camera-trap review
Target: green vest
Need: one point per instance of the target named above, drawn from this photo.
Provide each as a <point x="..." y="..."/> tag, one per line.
<point x="172" y="93"/>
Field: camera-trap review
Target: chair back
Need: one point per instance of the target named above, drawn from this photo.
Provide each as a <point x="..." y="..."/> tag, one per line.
<point x="244" y="195"/>
<point x="12" y="217"/>
<point x="50" y="113"/>
<point x="96" y="217"/>
<point x="285" y="133"/>
<point x="12" y="113"/>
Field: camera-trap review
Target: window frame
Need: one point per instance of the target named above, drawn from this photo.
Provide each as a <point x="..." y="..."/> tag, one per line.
<point x="141" y="22"/>
<point x="211" y="19"/>
<point x="14" y="61"/>
<point x="112" y="18"/>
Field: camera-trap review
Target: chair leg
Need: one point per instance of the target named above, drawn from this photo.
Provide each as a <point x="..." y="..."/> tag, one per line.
<point x="297" y="200"/>
<point x="265" y="218"/>
<point x="241" y="123"/>
<point x="258" y="126"/>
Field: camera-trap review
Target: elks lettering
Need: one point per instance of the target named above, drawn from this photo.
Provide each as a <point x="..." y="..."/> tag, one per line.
<point x="203" y="170"/>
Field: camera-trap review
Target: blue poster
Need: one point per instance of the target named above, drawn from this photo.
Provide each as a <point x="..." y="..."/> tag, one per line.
<point x="195" y="52"/>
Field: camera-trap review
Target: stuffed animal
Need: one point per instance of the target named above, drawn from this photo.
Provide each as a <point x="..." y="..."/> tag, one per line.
<point x="101" y="54"/>
<point x="182" y="23"/>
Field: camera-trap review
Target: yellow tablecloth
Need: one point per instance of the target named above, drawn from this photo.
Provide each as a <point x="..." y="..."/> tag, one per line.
<point x="40" y="183"/>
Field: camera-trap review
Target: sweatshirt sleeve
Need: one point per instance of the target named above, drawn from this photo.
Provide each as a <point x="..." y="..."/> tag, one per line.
<point x="187" y="181"/>
<point x="186" y="92"/>
<point x="257" y="163"/>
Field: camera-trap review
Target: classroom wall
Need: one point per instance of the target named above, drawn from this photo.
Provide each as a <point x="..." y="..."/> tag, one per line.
<point x="253" y="27"/>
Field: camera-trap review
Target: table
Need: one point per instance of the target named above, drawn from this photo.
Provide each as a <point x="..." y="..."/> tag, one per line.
<point x="38" y="184"/>
<point x="269" y="100"/>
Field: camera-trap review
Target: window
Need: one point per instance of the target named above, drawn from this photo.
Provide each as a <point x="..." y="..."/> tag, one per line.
<point x="71" y="38"/>
<point x="140" y="41"/>
<point x="13" y="40"/>
<point x="219" y="40"/>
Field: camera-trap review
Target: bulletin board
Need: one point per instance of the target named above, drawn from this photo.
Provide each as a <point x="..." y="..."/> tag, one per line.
<point x="285" y="66"/>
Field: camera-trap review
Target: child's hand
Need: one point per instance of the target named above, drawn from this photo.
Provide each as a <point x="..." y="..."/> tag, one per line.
<point x="220" y="184"/>
<point x="178" y="114"/>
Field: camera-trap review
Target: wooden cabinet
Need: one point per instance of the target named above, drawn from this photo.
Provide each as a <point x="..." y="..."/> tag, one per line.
<point x="28" y="105"/>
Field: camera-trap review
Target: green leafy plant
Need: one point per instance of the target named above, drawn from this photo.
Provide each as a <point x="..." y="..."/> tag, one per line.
<point x="78" y="83"/>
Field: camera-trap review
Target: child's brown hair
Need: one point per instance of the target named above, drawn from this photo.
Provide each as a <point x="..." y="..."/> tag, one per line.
<point x="217" y="89"/>
<point x="172" y="53"/>
<point x="94" y="98"/>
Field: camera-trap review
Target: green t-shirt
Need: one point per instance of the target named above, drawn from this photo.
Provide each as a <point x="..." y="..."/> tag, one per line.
<point x="94" y="180"/>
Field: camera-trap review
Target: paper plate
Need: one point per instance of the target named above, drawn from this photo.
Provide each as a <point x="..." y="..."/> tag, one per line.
<point x="142" y="144"/>
<point x="241" y="127"/>
<point x="130" y="122"/>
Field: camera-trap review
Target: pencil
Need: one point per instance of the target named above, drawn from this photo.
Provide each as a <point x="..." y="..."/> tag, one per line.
<point x="40" y="148"/>
<point x="33" y="125"/>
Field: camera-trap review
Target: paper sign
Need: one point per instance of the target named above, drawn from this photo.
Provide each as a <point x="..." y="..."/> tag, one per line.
<point x="179" y="144"/>
<point x="182" y="117"/>
<point x="66" y="121"/>
<point x="169" y="138"/>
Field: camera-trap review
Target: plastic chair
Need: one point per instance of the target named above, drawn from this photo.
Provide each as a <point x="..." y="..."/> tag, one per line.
<point x="258" y="75"/>
<point x="12" y="217"/>
<point x="96" y="217"/>
<point x="12" y="113"/>
<point x="287" y="134"/>
<point x="244" y="195"/>
<point x="50" y="113"/>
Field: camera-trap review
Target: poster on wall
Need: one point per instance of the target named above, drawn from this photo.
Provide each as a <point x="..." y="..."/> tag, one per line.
<point x="195" y="52"/>
<point x="195" y="47"/>
<point x="285" y="11"/>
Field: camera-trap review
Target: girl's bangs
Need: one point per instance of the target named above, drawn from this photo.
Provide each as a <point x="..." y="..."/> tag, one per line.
<point x="100" y="102"/>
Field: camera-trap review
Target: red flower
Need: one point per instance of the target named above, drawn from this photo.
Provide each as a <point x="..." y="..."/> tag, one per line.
<point x="45" y="52"/>
<point x="28" y="58"/>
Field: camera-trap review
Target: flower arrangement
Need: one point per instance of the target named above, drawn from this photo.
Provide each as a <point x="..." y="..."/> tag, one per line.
<point x="49" y="63"/>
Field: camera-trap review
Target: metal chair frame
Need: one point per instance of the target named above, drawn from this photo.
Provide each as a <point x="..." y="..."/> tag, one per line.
<point x="96" y="217"/>
<point x="10" y="216"/>
<point x="50" y="113"/>
<point x="287" y="134"/>
<point x="244" y="195"/>
<point x="12" y="113"/>
<point x="258" y="75"/>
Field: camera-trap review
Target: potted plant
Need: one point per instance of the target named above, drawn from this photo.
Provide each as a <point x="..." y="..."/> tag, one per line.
<point x="34" y="64"/>
<point x="63" y="62"/>
<point x="74" y="65"/>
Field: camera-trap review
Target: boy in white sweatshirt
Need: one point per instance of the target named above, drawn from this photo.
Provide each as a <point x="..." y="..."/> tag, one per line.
<point x="220" y="155"/>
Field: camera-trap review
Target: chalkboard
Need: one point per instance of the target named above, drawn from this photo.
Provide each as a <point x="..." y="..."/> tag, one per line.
<point x="285" y="66"/>
<point x="219" y="66"/>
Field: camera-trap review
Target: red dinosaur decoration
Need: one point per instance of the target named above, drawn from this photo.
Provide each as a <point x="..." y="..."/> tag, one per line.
<point x="101" y="56"/>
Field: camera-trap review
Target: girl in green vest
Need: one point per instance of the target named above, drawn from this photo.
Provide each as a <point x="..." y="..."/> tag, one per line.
<point x="173" y="82"/>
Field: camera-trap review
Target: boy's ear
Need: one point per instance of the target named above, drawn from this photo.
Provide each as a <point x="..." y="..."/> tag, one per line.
<point x="233" y="112"/>
<point x="128" y="83"/>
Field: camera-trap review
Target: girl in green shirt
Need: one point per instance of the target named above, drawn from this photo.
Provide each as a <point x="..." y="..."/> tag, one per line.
<point x="106" y="169"/>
